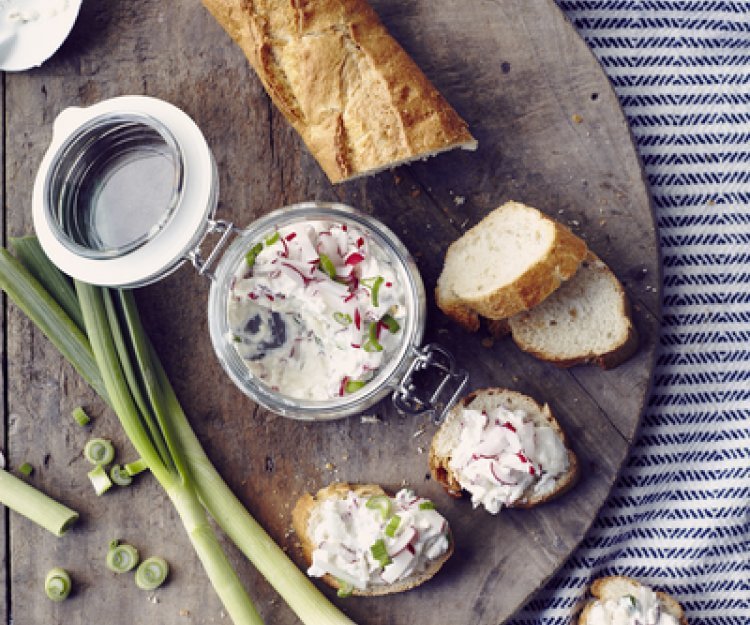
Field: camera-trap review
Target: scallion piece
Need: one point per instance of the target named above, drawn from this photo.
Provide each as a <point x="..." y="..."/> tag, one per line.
<point x="390" y="323"/>
<point x="426" y="505"/>
<point x="380" y="553"/>
<point x="382" y="503"/>
<point x="135" y="467"/>
<point x="99" y="480"/>
<point x="327" y="266"/>
<point x="35" y="505"/>
<point x="343" y="318"/>
<point x="376" y="290"/>
<point x="273" y="238"/>
<point x="352" y="386"/>
<point x="372" y="344"/>
<point x="99" y="451"/>
<point x="57" y="584"/>
<point x="253" y="254"/>
<point x="121" y="557"/>
<point x="151" y="573"/>
<point x="80" y="416"/>
<point x="392" y="526"/>
<point x="345" y="589"/>
<point x="119" y="476"/>
<point x="26" y="469"/>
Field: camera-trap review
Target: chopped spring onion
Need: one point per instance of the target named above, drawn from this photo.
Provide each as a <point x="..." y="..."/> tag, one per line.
<point x="345" y="589"/>
<point x="352" y="386"/>
<point x="253" y="254"/>
<point x="26" y="469"/>
<point x="121" y="557"/>
<point x="380" y="553"/>
<point x="426" y="505"/>
<point x="343" y="318"/>
<point x="372" y="344"/>
<point x="80" y="416"/>
<point x="35" y="505"/>
<point x="392" y="526"/>
<point x="633" y="601"/>
<point x="99" y="451"/>
<point x="382" y="503"/>
<point x="57" y="584"/>
<point x="327" y="266"/>
<point x="99" y="479"/>
<point x="135" y="467"/>
<point x="376" y="290"/>
<point x="389" y="322"/>
<point x="151" y="573"/>
<point x="120" y="476"/>
<point x="273" y="238"/>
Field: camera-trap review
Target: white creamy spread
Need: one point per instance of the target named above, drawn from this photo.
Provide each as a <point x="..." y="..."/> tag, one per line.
<point x="642" y="608"/>
<point x="316" y="310"/>
<point x="354" y="544"/>
<point x="502" y="453"/>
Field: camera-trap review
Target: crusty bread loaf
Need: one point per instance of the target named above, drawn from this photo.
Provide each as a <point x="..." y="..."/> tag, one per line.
<point x="357" y="99"/>
<point x="339" y="490"/>
<point x="618" y="586"/>
<point x="509" y="262"/>
<point x="586" y="320"/>
<point x="448" y="435"/>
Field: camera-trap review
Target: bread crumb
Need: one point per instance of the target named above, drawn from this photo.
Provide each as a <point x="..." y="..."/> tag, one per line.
<point x="577" y="119"/>
<point x="330" y="466"/>
<point x="418" y="433"/>
<point x="459" y="200"/>
<point x="153" y="599"/>
<point x="487" y="342"/>
<point x="415" y="193"/>
<point x="373" y="418"/>
<point x="516" y="379"/>
<point x="420" y="450"/>
<point x="396" y="179"/>
<point x="184" y="612"/>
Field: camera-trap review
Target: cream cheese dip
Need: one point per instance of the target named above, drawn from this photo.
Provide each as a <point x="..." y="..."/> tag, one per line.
<point x="315" y="310"/>
<point x="641" y="608"/>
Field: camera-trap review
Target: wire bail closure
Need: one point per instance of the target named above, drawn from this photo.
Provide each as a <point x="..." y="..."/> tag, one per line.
<point x="214" y="226"/>
<point x="405" y="397"/>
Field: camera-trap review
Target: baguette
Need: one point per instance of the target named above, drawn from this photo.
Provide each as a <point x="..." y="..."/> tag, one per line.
<point x="517" y="474"/>
<point x="620" y="593"/>
<point x="586" y="320"/>
<point x="509" y="262"/>
<point x="357" y="99"/>
<point x="308" y="517"/>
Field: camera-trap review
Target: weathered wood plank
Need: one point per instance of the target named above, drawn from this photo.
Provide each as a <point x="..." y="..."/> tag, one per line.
<point x="551" y="134"/>
<point x="4" y="559"/>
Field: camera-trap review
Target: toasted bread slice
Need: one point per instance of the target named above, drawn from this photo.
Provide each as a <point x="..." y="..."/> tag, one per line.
<point x="448" y="436"/>
<point x="303" y="512"/>
<point x="586" y="320"/>
<point x="509" y="262"/>
<point x="617" y="587"/>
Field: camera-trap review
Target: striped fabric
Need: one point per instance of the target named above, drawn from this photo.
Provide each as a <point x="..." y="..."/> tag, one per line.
<point x="679" y="517"/>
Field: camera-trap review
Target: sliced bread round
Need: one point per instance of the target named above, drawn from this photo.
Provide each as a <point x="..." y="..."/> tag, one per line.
<point x="586" y="320"/>
<point x="617" y="587"/>
<point x="303" y="511"/>
<point x="510" y="261"/>
<point x="448" y="436"/>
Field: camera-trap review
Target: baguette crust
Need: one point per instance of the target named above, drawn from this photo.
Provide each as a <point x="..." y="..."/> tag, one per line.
<point x="339" y="490"/>
<point x="355" y="96"/>
<point x="617" y="586"/>
<point x="440" y="456"/>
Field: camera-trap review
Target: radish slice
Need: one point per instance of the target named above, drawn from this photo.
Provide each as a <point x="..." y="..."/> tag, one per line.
<point x="398" y="566"/>
<point x="402" y="540"/>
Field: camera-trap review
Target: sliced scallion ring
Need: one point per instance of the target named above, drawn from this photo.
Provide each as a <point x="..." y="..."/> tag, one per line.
<point x="99" y="451"/>
<point x="327" y="266"/>
<point x="57" y="584"/>
<point x="392" y="526"/>
<point x="80" y="416"/>
<point x="99" y="479"/>
<point x="352" y="386"/>
<point x="273" y="238"/>
<point x="120" y="476"/>
<point x="380" y="553"/>
<point x="382" y="503"/>
<point x="426" y="505"/>
<point x="376" y="290"/>
<point x="345" y="589"/>
<point x="136" y="467"/>
<point x="253" y="254"/>
<point x="343" y="318"/>
<point x="389" y="322"/>
<point x="26" y="469"/>
<point x="121" y="557"/>
<point x="151" y="573"/>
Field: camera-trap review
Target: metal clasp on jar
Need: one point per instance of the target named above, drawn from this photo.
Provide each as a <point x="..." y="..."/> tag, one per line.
<point x="406" y="397"/>
<point x="214" y="226"/>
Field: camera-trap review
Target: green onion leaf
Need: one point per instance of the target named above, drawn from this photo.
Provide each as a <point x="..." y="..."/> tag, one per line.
<point x="372" y="344"/>
<point x="343" y="318"/>
<point x="376" y="290"/>
<point x="99" y="480"/>
<point x="327" y="266"/>
<point x="273" y="238"/>
<point x="381" y="503"/>
<point x="119" y="476"/>
<point x="26" y="469"/>
<point x="151" y="573"/>
<point x="57" y="584"/>
<point x="99" y="451"/>
<point x="380" y="553"/>
<point x="253" y="254"/>
<point x="426" y="505"/>
<point x="390" y="323"/>
<point x="121" y="557"/>
<point x="392" y="526"/>
<point x="345" y="589"/>
<point x="80" y="416"/>
<point x="352" y="386"/>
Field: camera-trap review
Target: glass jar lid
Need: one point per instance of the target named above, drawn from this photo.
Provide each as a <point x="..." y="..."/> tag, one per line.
<point x="124" y="191"/>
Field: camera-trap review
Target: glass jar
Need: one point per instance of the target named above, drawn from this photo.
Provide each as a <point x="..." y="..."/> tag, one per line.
<point x="140" y="157"/>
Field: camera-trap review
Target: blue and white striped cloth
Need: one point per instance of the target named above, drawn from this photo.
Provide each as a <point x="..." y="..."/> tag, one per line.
<point x="679" y="516"/>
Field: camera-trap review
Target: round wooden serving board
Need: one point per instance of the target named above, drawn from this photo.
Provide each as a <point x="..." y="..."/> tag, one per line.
<point x="551" y="134"/>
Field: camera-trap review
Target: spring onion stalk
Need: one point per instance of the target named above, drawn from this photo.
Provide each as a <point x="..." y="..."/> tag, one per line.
<point x="134" y="468"/>
<point x="121" y="557"/>
<point x="151" y="573"/>
<point x="114" y="349"/>
<point x="57" y="584"/>
<point x="308" y="603"/>
<point x="35" y="505"/>
<point x="99" y="451"/>
<point x="80" y="416"/>
<point x="99" y="480"/>
<point x="119" y="476"/>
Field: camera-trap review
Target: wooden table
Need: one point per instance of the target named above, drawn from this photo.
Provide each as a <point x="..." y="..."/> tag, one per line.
<point x="551" y="134"/>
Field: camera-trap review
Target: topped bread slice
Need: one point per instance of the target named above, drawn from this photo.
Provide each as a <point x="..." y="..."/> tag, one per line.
<point x="504" y="449"/>
<point x="586" y="320"/>
<point x="623" y="599"/>
<point x="509" y="262"/>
